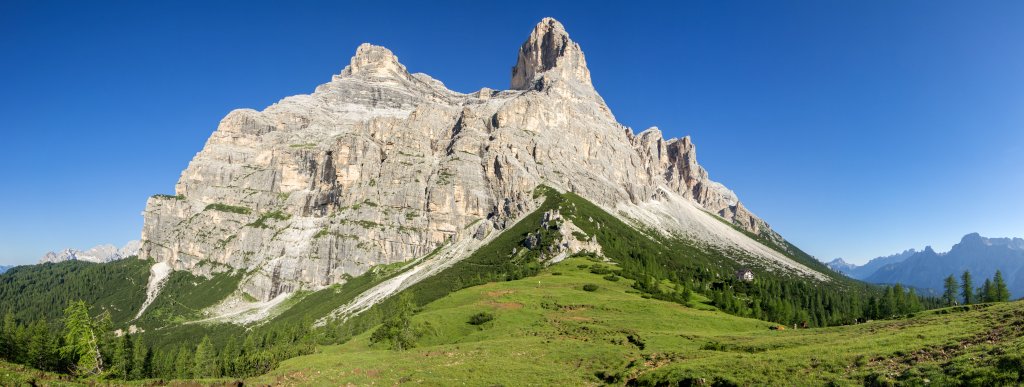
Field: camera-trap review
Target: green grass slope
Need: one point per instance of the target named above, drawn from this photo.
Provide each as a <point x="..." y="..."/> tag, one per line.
<point x="19" y="375"/>
<point x="184" y="296"/>
<point x="547" y="330"/>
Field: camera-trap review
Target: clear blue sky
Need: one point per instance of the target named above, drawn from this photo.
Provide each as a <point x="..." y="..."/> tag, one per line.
<point x="856" y="128"/>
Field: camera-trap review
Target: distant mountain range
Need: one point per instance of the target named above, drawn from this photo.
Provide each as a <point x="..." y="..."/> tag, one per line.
<point x="927" y="269"/>
<point x="3" y="269"/>
<point x="97" y="254"/>
<point x="862" y="272"/>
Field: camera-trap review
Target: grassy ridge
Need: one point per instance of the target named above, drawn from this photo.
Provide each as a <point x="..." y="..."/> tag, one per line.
<point x="548" y="330"/>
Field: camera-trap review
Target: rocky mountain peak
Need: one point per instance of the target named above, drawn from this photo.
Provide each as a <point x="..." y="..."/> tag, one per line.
<point x="549" y="51"/>
<point x="973" y="239"/>
<point x="374" y="61"/>
<point x="378" y="166"/>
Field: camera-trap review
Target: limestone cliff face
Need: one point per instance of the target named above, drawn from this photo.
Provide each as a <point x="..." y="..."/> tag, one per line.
<point x="380" y="166"/>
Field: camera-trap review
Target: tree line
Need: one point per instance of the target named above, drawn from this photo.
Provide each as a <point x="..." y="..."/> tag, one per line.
<point x="85" y="345"/>
<point x="992" y="290"/>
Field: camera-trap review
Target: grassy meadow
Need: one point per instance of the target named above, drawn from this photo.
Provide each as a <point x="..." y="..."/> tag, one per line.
<point x="548" y="330"/>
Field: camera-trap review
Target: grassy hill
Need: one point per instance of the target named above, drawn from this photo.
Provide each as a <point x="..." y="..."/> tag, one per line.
<point x="548" y="330"/>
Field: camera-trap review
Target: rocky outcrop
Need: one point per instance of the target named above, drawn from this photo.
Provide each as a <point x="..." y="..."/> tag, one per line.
<point x="549" y="54"/>
<point x="380" y="166"/>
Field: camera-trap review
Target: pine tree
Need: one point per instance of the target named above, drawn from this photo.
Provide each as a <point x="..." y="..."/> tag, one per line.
<point x="168" y="360"/>
<point x="901" y="299"/>
<point x="183" y="363"/>
<point x="872" y="308"/>
<point x="81" y="340"/>
<point x="40" y="351"/>
<point x="967" y="286"/>
<point x="397" y="329"/>
<point x="228" y="356"/>
<point x="887" y="305"/>
<point x="121" y="362"/>
<point x="1002" y="294"/>
<point x="986" y="292"/>
<point x="914" y="303"/>
<point x="949" y="296"/>
<point x="206" y="364"/>
<point x="140" y="369"/>
<point x="8" y="347"/>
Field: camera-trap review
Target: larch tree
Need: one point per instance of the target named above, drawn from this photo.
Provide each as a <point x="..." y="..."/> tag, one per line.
<point x="949" y="296"/>
<point x="1002" y="293"/>
<point x="987" y="291"/>
<point x="967" y="286"/>
<point x="206" y="364"/>
<point x="81" y="341"/>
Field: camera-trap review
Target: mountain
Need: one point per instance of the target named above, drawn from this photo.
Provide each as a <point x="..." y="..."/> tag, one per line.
<point x="979" y="255"/>
<point x="381" y="166"/>
<point x="866" y="270"/>
<point x="96" y="254"/>
<point x="522" y="234"/>
<point x="4" y="269"/>
<point x="840" y="265"/>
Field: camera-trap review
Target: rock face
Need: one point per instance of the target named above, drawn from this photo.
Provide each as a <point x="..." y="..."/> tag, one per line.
<point x="380" y="166"/>
<point x="549" y="53"/>
<point x="97" y="254"/>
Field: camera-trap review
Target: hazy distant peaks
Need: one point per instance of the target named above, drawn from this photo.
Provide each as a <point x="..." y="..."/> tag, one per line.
<point x="975" y="239"/>
<point x="96" y="254"/>
<point x="869" y="268"/>
<point x="979" y="255"/>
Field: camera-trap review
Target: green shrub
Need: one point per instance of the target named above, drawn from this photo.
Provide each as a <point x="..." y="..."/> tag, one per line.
<point x="276" y="215"/>
<point x="590" y="287"/>
<point x="556" y="273"/>
<point x="480" y="318"/>
<point x="165" y="196"/>
<point x="861" y="361"/>
<point x="610" y="376"/>
<point x="397" y="329"/>
<point x="611" y="277"/>
<point x="228" y="208"/>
